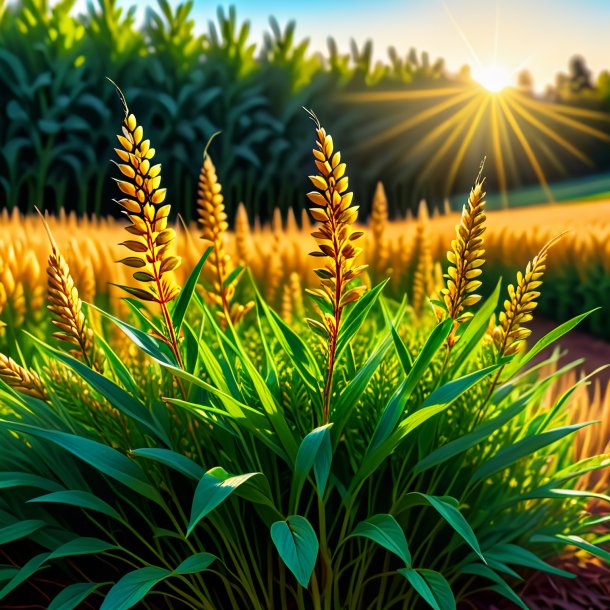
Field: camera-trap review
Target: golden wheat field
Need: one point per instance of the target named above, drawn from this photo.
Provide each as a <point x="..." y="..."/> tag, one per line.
<point x="276" y="251"/>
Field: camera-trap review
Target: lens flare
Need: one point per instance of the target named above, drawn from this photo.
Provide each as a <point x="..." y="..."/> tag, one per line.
<point x="492" y="77"/>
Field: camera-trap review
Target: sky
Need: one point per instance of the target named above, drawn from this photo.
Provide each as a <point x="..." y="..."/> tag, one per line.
<point x="540" y="35"/>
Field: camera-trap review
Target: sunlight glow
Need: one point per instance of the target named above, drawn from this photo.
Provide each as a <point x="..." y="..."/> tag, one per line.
<point x="492" y="77"/>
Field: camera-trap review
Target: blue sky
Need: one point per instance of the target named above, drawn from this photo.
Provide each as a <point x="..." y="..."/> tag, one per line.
<point x="538" y="34"/>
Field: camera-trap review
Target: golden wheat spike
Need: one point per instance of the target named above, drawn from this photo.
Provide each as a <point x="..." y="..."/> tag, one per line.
<point x="243" y="240"/>
<point x="336" y="238"/>
<point x="420" y="269"/>
<point x="334" y="234"/>
<point x="518" y="308"/>
<point x="66" y="306"/>
<point x="465" y="259"/>
<point x="214" y="225"/>
<point x="286" y="309"/>
<point x="379" y="222"/>
<point x="296" y="293"/>
<point x="143" y="203"/>
<point x="23" y="380"/>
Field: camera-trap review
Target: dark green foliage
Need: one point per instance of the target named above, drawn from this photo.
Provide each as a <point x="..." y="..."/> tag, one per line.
<point x="58" y="108"/>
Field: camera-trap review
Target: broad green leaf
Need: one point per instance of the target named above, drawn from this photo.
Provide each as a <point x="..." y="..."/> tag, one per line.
<point x="384" y="530"/>
<point x="256" y="489"/>
<point x="526" y="446"/>
<point x="102" y="457"/>
<point x="211" y="492"/>
<point x="133" y="587"/>
<point x="19" y="530"/>
<point x="315" y="449"/>
<point x="72" y="596"/>
<point x="195" y="563"/>
<point x="519" y="556"/>
<point x="501" y="587"/>
<point x="297" y="545"/>
<point x="174" y="460"/>
<point x="82" y="499"/>
<point x="24" y="573"/>
<point x="450" y="513"/>
<point x="82" y="546"/>
<point x="419" y="583"/>
<point x="186" y="294"/>
<point x="440" y="588"/>
<point x="25" y="479"/>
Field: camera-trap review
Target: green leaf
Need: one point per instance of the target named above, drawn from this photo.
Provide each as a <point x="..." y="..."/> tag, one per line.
<point x="315" y="451"/>
<point x="24" y="573"/>
<point x="25" y="479"/>
<point x="577" y="541"/>
<point x="19" y="530"/>
<point x="475" y="330"/>
<point x="82" y="546"/>
<point x="177" y="461"/>
<point x="82" y="499"/>
<point x="479" y="434"/>
<point x="136" y="292"/>
<point x="195" y="563"/>
<point x="395" y="407"/>
<point x="501" y="587"/>
<point x="155" y="348"/>
<point x="133" y="587"/>
<point x="72" y="596"/>
<point x="348" y="398"/>
<point x="256" y="489"/>
<point x="526" y="446"/>
<point x="440" y="588"/>
<point x="543" y="343"/>
<point x="186" y="294"/>
<point x="233" y="276"/>
<point x="211" y="492"/>
<point x="102" y="457"/>
<point x="447" y="509"/>
<point x="384" y="530"/>
<point x="516" y="555"/>
<point x="356" y="316"/>
<point x="418" y="582"/>
<point x="118" y="398"/>
<point x="297" y="545"/>
<point x="448" y="392"/>
<point x="120" y="370"/>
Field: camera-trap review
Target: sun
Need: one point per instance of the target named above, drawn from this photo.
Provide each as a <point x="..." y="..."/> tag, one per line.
<point x="492" y="77"/>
